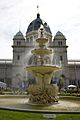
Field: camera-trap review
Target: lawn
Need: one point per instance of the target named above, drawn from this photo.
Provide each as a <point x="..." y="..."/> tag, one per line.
<point x="68" y="117"/>
<point x="12" y="115"/>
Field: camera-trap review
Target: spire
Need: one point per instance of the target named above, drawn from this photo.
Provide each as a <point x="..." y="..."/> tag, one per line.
<point x="37" y="8"/>
<point x="38" y="15"/>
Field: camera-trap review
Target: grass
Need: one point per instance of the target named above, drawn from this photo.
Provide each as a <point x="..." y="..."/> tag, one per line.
<point x="12" y="115"/>
<point x="68" y="117"/>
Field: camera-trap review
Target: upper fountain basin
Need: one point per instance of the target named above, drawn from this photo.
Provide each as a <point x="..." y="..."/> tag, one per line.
<point x="42" y="40"/>
<point x="41" y="52"/>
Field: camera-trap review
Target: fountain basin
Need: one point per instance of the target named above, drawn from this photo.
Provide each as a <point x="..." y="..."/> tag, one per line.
<point x="43" y="74"/>
<point x="41" y="52"/>
<point x="21" y="102"/>
<point x="42" y="40"/>
<point x="45" y="69"/>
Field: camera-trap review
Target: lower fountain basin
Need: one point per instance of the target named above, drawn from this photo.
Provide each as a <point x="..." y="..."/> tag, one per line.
<point x="21" y="103"/>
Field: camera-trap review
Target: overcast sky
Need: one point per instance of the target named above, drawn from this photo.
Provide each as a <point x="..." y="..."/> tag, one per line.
<point x="61" y="15"/>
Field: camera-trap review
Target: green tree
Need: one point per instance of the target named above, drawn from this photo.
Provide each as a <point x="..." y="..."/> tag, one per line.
<point x="61" y="82"/>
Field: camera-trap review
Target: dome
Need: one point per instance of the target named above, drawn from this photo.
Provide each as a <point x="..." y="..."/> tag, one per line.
<point x="19" y="35"/>
<point x="35" y="25"/>
<point x="59" y="35"/>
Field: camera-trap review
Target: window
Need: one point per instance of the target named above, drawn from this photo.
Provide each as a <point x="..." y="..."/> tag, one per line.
<point x="18" y="57"/>
<point x="27" y="40"/>
<point x="60" y="43"/>
<point x="18" y="43"/>
<point x="61" y="58"/>
<point x="31" y="38"/>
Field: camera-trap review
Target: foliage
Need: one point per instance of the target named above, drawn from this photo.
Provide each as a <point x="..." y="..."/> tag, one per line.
<point x="61" y="82"/>
<point x="62" y="93"/>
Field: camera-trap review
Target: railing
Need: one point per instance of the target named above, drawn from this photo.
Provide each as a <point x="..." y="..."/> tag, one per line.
<point x="73" y="61"/>
<point x="5" y="61"/>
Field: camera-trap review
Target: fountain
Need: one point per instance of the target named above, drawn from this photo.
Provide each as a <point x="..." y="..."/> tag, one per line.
<point x="42" y="93"/>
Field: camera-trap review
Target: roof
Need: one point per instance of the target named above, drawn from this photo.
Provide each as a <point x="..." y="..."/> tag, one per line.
<point x="35" y="25"/>
<point x="19" y="35"/>
<point x="59" y="35"/>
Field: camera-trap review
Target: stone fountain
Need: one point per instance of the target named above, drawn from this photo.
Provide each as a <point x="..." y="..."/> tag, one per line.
<point x="43" y="92"/>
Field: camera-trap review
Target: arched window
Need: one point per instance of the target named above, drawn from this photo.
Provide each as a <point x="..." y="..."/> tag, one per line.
<point x="32" y="60"/>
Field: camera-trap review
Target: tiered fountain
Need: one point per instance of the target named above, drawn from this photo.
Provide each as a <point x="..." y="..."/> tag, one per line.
<point x="42" y="93"/>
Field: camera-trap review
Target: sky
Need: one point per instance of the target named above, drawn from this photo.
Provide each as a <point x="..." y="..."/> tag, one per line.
<point x="61" y="15"/>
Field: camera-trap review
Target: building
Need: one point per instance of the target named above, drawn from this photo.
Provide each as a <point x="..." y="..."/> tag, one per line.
<point x="13" y="71"/>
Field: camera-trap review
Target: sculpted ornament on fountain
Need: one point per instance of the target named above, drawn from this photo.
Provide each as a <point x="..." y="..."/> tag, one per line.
<point x="41" y="32"/>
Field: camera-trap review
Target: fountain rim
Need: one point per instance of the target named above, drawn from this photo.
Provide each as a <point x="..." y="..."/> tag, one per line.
<point x="40" y="68"/>
<point x="44" y="65"/>
<point x="41" y="40"/>
<point x="41" y="52"/>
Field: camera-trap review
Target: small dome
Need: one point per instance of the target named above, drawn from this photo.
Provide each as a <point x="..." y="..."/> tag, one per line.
<point x="19" y="35"/>
<point x="59" y="35"/>
<point x="35" y="25"/>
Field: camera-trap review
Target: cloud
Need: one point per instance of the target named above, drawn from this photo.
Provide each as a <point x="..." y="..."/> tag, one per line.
<point x="63" y="15"/>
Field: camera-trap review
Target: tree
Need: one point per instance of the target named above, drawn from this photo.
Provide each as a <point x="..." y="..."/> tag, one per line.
<point x="61" y="82"/>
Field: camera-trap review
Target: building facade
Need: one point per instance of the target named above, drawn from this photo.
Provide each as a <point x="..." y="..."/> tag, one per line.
<point x="13" y="71"/>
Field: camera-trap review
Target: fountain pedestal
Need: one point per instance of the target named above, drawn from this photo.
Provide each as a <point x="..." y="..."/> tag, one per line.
<point x="46" y="95"/>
